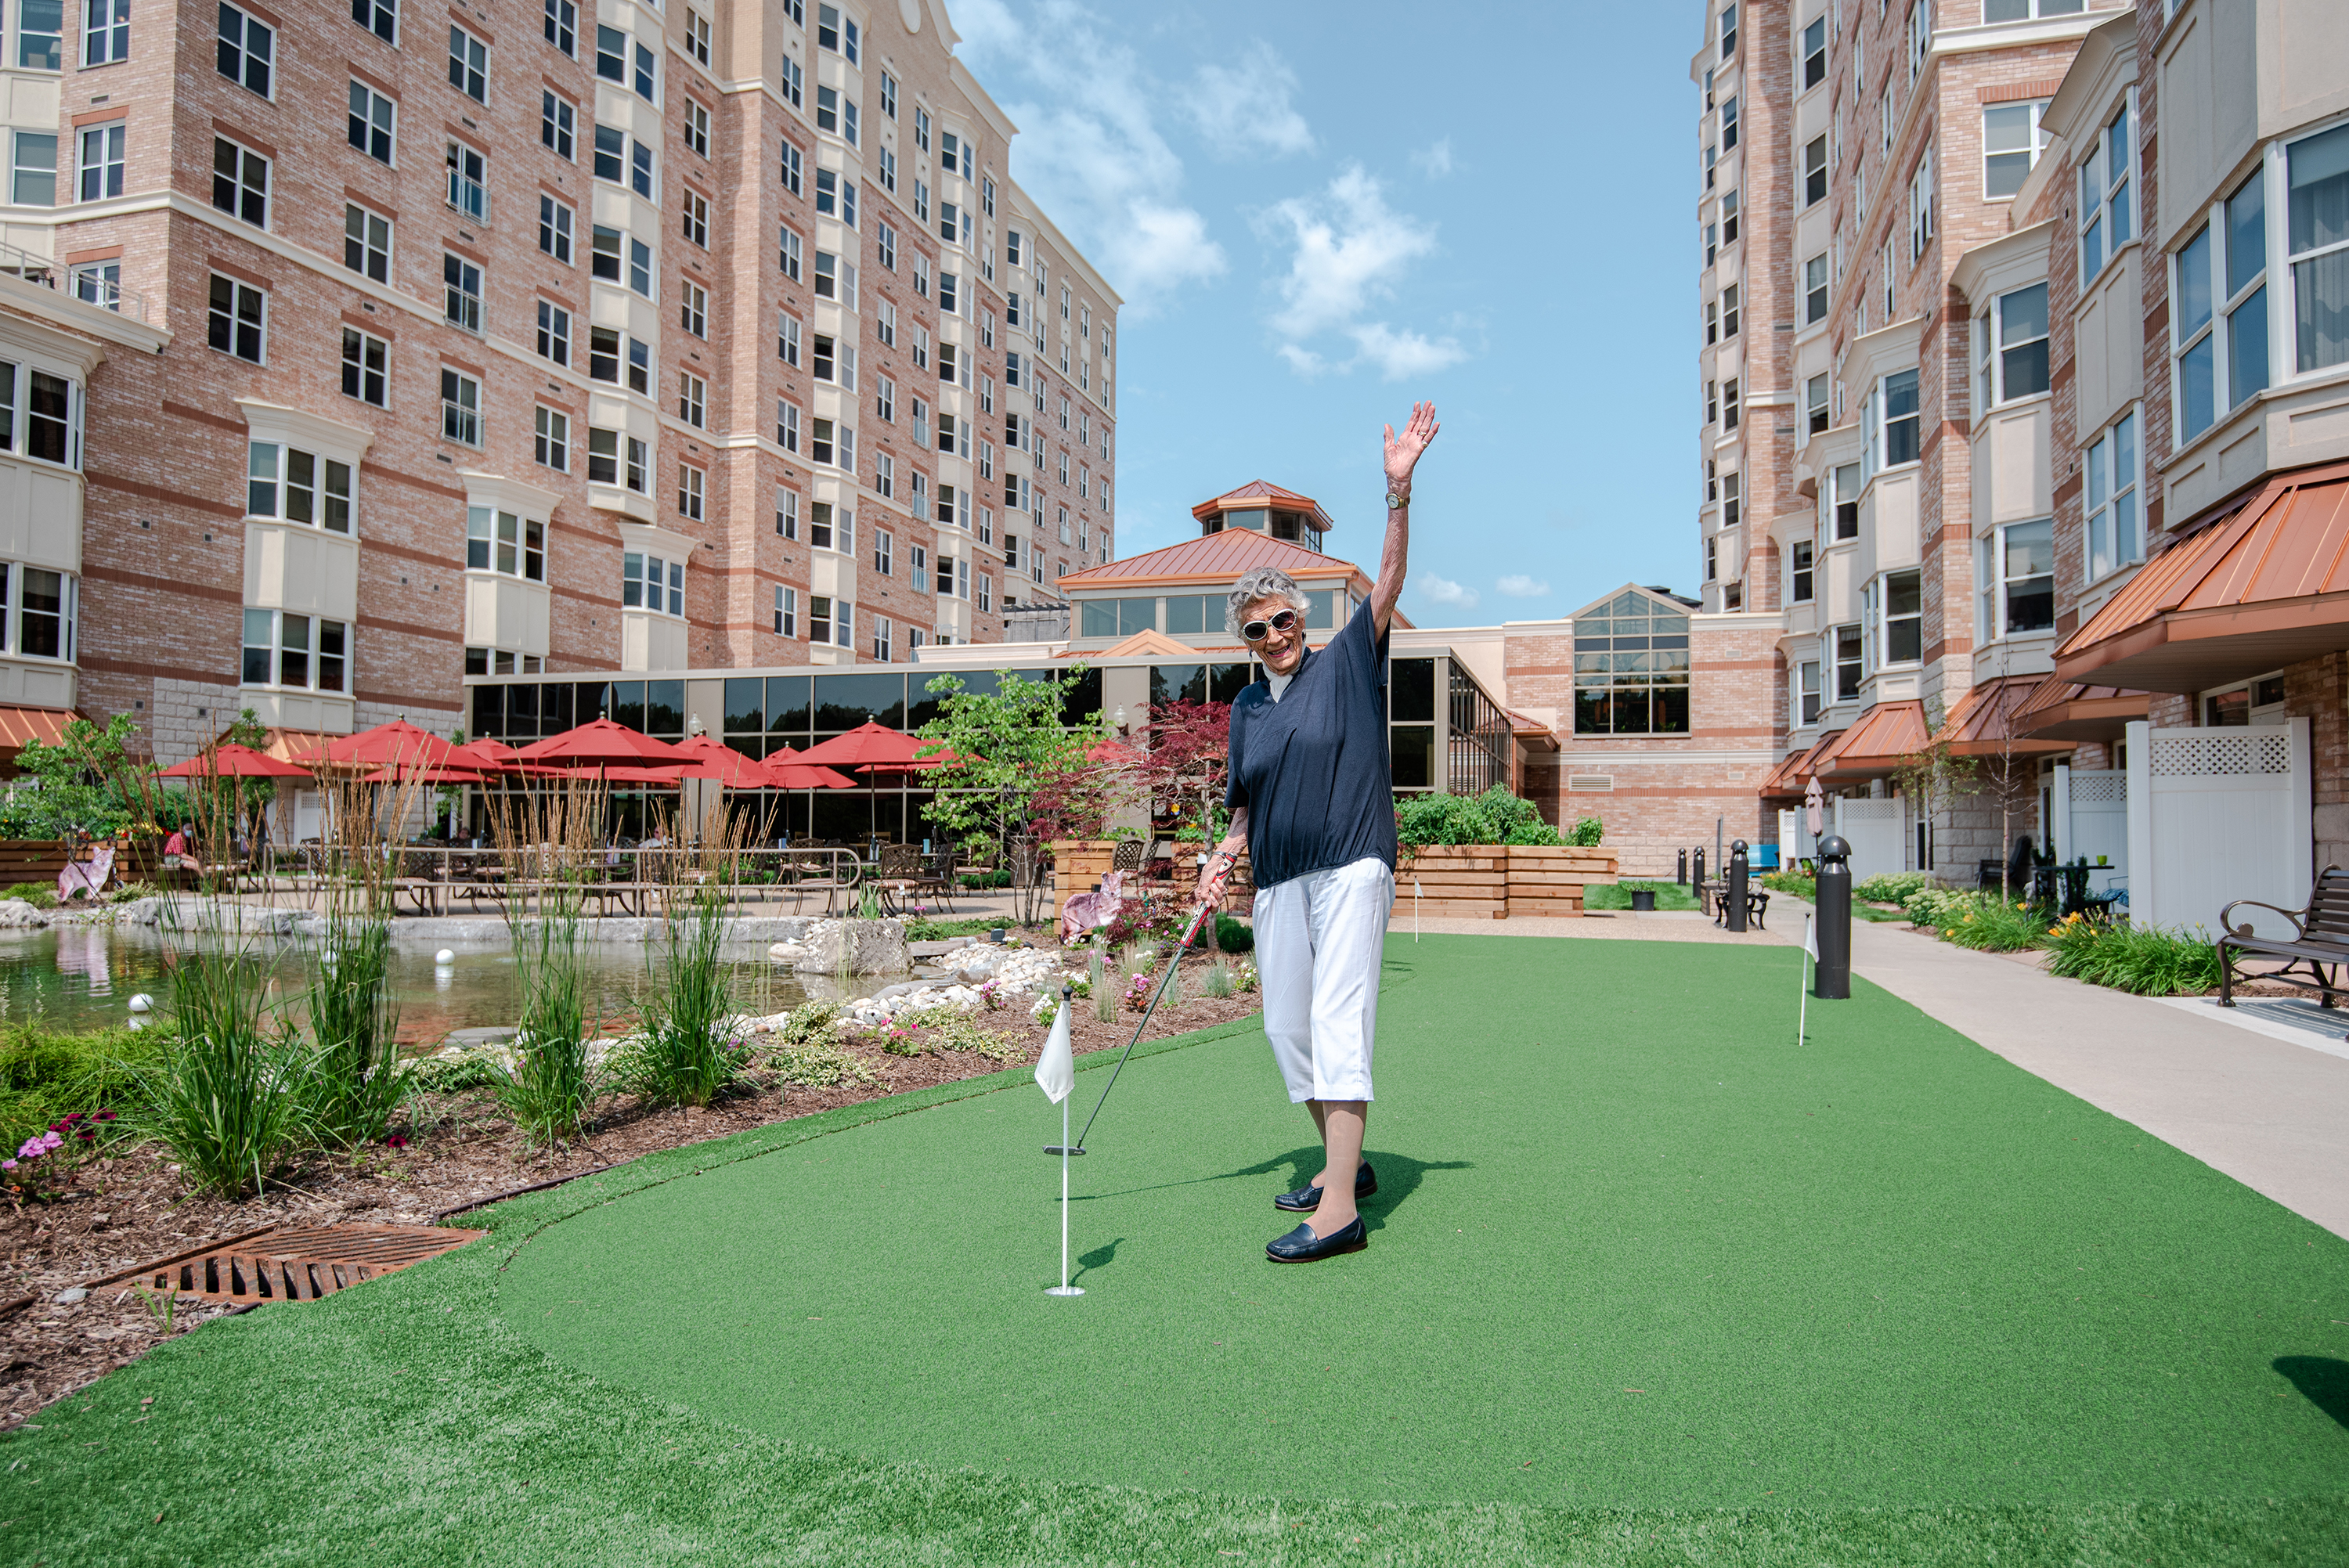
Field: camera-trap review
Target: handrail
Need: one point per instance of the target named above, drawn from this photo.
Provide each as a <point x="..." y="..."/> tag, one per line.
<point x="45" y="273"/>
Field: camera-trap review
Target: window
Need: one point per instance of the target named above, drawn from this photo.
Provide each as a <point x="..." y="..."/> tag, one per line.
<point x="1814" y="170"/>
<point x="787" y="339"/>
<point x="558" y="123"/>
<point x="1847" y="662"/>
<point x="248" y="50"/>
<point x="820" y="445"/>
<point x="640" y="267"/>
<point x="551" y="440"/>
<point x="827" y="110"/>
<point x="693" y="310"/>
<point x="1631" y="668"/>
<point x="1801" y="577"/>
<point x="696" y="36"/>
<point x="365" y="366"/>
<point x="2316" y="244"/>
<point x="554" y="223"/>
<point x="787" y="424"/>
<point x="279" y="650"/>
<point x="1815" y="290"/>
<point x="1903" y="617"/>
<point x="468" y="65"/>
<point x="1900" y="419"/>
<point x="1730" y="500"/>
<point x="287" y="485"/>
<point x="818" y="618"/>
<point x="885" y="545"/>
<point x="463" y="291"/>
<point x="1815" y="404"/>
<point x="372" y="116"/>
<point x="1815" y="53"/>
<point x="648" y="583"/>
<point x="690" y="481"/>
<point x="647" y="76"/>
<point x="102" y="147"/>
<point x="787" y="612"/>
<point x="2220" y="336"/>
<point x="40" y="34"/>
<point x="605" y="353"/>
<point x="2113" y="536"/>
<point x="793" y="170"/>
<point x="604" y="254"/>
<point x="1729" y="208"/>
<point x="692" y="393"/>
<point x="2016" y="365"/>
<point x="1728" y="312"/>
<point x="380" y="17"/>
<point x="2025" y="10"/>
<point x="461" y="407"/>
<point x="1920" y="206"/>
<point x="1807" y="693"/>
<point x="563" y="25"/>
<point x="1847" y="483"/>
<point x="554" y="333"/>
<point x="697" y="126"/>
<point x="34" y="181"/>
<point x="1728" y="404"/>
<point x="2107" y="221"/>
<point x="1728" y="124"/>
<point x="469" y="181"/>
<point x="2014" y="574"/>
<point x="238" y="318"/>
<point x="790" y="253"/>
<point x="820" y="530"/>
<point x="792" y="80"/>
<point x="640" y="169"/>
<point x="2011" y="144"/>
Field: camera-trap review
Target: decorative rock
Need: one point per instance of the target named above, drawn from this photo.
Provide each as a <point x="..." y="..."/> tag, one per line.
<point x="76" y="1293"/>
<point x="18" y="915"/>
<point x="856" y="946"/>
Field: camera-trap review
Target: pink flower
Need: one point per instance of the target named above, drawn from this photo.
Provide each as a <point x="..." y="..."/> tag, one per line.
<point x="7" y="1165"/>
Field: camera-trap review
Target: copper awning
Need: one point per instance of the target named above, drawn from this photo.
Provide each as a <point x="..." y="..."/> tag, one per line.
<point x="19" y="725"/>
<point x="2058" y="710"/>
<point x="1886" y="735"/>
<point x="2266" y="585"/>
<point x="1794" y="772"/>
<point x="1984" y="724"/>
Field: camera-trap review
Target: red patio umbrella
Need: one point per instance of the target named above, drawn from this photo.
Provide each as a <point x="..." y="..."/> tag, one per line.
<point x="486" y="753"/>
<point x="601" y="740"/>
<point x="657" y="778"/>
<point x="799" y="775"/>
<point x="868" y="743"/>
<point x="396" y="742"/>
<point x="230" y="760"/>
<point x="426" y="774"/>
<point x="713" y="759"/>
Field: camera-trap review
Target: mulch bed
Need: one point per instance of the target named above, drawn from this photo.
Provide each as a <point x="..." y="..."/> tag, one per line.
<point x="133" y="1207"/>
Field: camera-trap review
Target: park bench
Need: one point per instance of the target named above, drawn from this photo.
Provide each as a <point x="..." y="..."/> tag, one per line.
<point x="2320" y="942"/>
<point x="1713" y="899"/>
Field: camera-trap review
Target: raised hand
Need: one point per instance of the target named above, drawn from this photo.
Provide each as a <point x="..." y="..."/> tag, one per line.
<point x="1403" y="451"/>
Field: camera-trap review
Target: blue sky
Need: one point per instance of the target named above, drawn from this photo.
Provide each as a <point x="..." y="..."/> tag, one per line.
<point x="1317" y="212"/>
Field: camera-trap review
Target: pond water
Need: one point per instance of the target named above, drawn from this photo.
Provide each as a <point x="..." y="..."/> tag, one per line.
<point x="79" y="977"/>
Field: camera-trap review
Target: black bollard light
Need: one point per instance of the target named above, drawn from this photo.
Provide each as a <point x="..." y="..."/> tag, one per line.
<point x="1833" y="979"/>
<point x="1736" y="891"/>
<point x="1700" y="865"/>
<point x="1681" y="876"/>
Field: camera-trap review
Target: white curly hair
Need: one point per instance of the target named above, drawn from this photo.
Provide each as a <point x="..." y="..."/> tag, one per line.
<point x="1264" y="582"/>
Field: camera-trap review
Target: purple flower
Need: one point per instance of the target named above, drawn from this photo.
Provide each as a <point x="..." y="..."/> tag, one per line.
<point x="397" y="1140"/>
<point x="7" y="1165"/>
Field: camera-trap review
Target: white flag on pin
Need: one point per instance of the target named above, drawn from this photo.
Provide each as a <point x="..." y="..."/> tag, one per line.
<point x="1056" y="1069"/>
<point x="1811" y="937"/>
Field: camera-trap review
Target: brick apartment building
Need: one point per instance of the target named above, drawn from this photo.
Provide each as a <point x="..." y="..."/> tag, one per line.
<point x="362" y="348"/>
<point x="2026" y="423"/>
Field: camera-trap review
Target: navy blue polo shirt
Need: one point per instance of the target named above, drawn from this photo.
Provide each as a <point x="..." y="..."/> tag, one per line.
<point x="1313" y="768"/>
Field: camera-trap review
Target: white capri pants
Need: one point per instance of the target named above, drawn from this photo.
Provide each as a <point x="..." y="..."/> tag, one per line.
<point x="1319" y="939"/>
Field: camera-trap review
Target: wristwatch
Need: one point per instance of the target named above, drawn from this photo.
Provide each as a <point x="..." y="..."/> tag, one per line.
<point x="1397" y="500"/>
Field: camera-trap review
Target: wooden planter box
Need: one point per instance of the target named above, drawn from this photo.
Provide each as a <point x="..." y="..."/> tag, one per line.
<point x="1455" y="880"/>
<point x="31" y="861"/>
<point x="1550" y="881"/>
<point x="1078" y="866"/>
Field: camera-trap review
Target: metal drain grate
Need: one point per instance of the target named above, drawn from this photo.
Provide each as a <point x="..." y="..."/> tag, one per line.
<point x="293" y="1262"/>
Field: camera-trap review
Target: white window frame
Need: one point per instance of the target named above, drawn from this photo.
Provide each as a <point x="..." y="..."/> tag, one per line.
<point x="247" y="57"/>
<point x="371" y="369"/>
<point x="374" y="116"/>
<point x="2107" y="200"/>
<point x="1993" y="352"/>
<point x="557" y="230"/>
<point x="276" y="629"/>
<point x="551" y="439"/>
<point x="461" y="418"/>
<point x="468" y="180"/>
<point x="2112" y="489"/>
<point x="692" y="491"/>
<point x="787" y="611"/>
<point x="1995" y="578"/>
<point x="469" y="64"/>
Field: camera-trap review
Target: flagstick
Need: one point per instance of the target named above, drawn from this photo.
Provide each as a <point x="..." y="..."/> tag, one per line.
<point x="1064" y="1287"/>
<point x="1414" y="909"/>
<point x="1803" y="991"/>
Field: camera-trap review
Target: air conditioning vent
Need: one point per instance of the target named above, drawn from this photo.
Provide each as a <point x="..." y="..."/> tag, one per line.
<point x="1590" y="783"/>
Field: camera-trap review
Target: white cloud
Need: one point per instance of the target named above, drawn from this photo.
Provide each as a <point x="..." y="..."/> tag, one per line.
<point x="1245" y="109"/>
<point x="1089" y="149"/>
<point x="1352" y="251"/>
<point x="1435" y="161"/>
<point x="1444" y="590"/>
<point x="1518" y="585"/>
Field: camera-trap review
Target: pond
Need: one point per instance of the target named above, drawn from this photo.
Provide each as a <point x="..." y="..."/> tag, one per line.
<point x="80" y="977"/>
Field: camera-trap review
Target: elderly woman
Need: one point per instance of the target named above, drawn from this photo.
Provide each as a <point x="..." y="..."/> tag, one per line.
<point x="1313" y="805"/>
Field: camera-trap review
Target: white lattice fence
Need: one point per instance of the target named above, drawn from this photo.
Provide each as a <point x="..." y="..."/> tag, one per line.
<point x="1873" y="828"/>
<point x="2216" y="815"/>
<point x="2091" y="816"/>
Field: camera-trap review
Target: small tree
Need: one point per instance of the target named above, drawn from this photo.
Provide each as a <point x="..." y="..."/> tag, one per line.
<point x="1189" y="761"/>
<point x="79" y="784"/>
<point x="1933" y="776"/>
<point x="1017" y="767"/>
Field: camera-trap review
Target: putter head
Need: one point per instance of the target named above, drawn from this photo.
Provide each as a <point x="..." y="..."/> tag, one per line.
<point x="1056" y="1149"/>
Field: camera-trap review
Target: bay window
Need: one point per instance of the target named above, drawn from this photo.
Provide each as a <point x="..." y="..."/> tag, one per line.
<point x="2107" y="222"/>
<point x="649" y="582"/>
<point x="2012" y="346"/>
<point x="2316" y="243"/>
<point x="288" y="485"/>
<point x="2015" y="577"/>
<point x="2113" y="536"/>
<point x="504" y="542"/>
<point x="1897" y="606"/>
<point x="1807" y="693"/>
<point x="2219" y="337"/>
<point x="301" y="653"/>
<point x="1802" y="575"/>
<point x="1848" y="663"/>
<point x="40" y="414"/>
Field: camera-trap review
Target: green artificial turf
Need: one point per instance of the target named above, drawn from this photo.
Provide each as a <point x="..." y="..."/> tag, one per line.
<point x="1650" y="1283"/>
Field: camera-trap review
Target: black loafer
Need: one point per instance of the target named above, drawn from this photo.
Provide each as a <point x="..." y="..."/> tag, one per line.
<point x="1302" y="1246"/>
<point x="1305" y="1200"/>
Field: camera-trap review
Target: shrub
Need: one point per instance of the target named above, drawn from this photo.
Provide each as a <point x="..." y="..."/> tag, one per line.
<point x="223" y="1093"/>
<point x="1801" y="884"/>
<point x="353" y="1087"/>
<point x="686" y="1053"/>
<point x="1587" y="833"/>
<point x="2148" y="963"/>
<point x="1617" y="895"/>
<point x="455" y="1072"/>
<point x="1937" y="906"/>
<point x="952" y="1030"/>
<point x="40" y="895"/>
<point x="1232" y="934"/>
<point x="1486" y="819"/>
<point x="1984" y="922"/>
<point x="46" y="1076"/>
<point x="1536" y="833"/>
<point x="821" y="1064"/>
<point x="1888" y="887"/>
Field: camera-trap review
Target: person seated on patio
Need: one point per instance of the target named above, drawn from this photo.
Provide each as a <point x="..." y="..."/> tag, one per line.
<point x="180" y="851"/>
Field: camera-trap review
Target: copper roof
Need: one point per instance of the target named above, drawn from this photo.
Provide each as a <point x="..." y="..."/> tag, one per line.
<point x="1268" y="494"/>
<point x="1215" y="560"/>
<point x="46" y="724"/>
<point x="1983" y="723"/>
<point x="1886" y="735"/>
<point x="2059" y="709"/>
<point x="2267" y="584"/>
<point x="1793" y="771"/>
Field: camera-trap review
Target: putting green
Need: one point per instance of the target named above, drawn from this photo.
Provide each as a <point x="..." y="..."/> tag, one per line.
<point x="1633" y="1246"/>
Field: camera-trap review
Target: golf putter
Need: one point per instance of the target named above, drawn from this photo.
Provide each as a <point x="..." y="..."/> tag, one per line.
<point x="1181" y="946"/>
